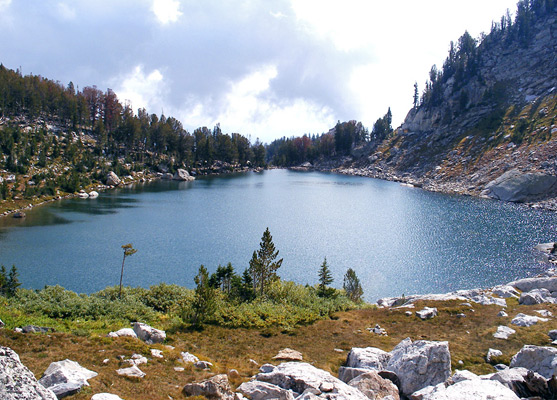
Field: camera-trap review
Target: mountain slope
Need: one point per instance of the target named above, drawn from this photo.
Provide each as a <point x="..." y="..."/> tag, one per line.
<point x="491" y="108"/>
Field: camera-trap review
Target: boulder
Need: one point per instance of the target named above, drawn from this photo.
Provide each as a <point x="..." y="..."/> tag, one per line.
<point x="516" y="186"/>
<point x="156" y="353"/>
<point x="234" y="374"/>
<point x="17" y="382"/>
<point x="553" y="334"/>
<point x="300" y="377"/>
<point x="346" y="374"/>
<point x="522" y="382"/>
<point x="288" y="355"/>
<point x="93" y="194"/>
<point x="463" y="375"/>
<point x="527" y="320"/>
<point x="545" y="313"/>
<point x="167" y="176"/>
<point x="137" y="359"/>
<point x="374" y="386"/>
<point x="542" y="282"/>
<point x="368" y="358"/>
<point x="502" y="313"/>
<point x="542" y="360"/>
<point x="66" y="377"/>
<point x="203" y="365"/>
<point x="419" y="364"/>
<point x="124" y="332"/>
<point x="105" y="396"/>
<point x="216" y="387"/>
<point x="148" y="334"/>
<point x="131" y="372"/>
<point x="256" y="390"/>
<point x="536" y="296"/>
<point x="427" y="313"/>
<point x="182" y="175"/>
<point x="493" y="353"/>
<point x="466" y="390"/>
<point x="188" y="357"/>
<point x="505" y="291"/>
<point x="112" y="179"/>
<point x="503" y="332"/>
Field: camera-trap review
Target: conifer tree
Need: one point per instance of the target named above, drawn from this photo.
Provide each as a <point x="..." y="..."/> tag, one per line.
<point x="325" y="279"/>
<point x="262" y="265"/>
<point x="203" y="306"/>
<point x="352" y="286"/>
<point x="128" y="251"/>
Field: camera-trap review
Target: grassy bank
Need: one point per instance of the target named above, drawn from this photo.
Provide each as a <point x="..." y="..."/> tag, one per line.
<point x="469" y="339"/>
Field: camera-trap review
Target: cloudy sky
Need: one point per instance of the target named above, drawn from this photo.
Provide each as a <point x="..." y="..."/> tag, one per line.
<point x="262" y="68"/>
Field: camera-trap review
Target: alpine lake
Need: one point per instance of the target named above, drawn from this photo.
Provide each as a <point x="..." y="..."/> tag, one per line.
<point x="399" y="240"/>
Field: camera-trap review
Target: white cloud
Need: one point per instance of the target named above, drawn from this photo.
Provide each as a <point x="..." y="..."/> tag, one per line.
<point x="141" y="90"/>
<point x="5" y="4"/>
<point x="66" y="12"/>
<point x="166" y="11"/>
<point x="251" y="108"/>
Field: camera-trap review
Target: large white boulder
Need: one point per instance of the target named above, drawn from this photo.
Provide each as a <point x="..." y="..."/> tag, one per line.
<point x="112" y="179"/>
<point x="427" y="313"/>
<point x="188" y="357"/>
<point x="419" y="364"/>
<point x="467" y="390"/>
<point x="367" y="358"/>
<point x="529" y="284"/>
<point x="182" y="175"/>
<point x="540" y="359"/>
<point x="17" y="382"/>
<point x="536" y="296"/>
<point x="516" y="186"/>
<point x="66" y="377"/>
<point x="148" y="334"/>
<point x="301" y="377"/>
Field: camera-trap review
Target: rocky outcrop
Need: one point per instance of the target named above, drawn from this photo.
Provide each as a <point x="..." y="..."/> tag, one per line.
<point x="466" y="390"/>
<point x="66" y="377"/>
<point x="542" y="360"/>
<point x="17" y="382"/>
<point x="216" y="387"/>
<point x="112" y="179"/>
<point x="419" y="364"/>
<point x="519" y="187"/>
<point x="256" y="390"/>
<point x="182" y="175"/>
<point x="367" y="358"/>
<point x="374" y="386"/>
<point x="427" y="313"/>
<point x="303" y="378"/>
<point x="522" y="382"/>
<point x="540" y="282"/>
<point x="536" y="296"/>
<point x="148" y="334"/>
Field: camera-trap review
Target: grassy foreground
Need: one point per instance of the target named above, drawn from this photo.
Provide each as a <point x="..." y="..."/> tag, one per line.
<point x="227" y="347"/>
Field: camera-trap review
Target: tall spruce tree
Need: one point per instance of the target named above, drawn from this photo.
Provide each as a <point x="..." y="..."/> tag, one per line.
<point x="352" y="286"/>
<point x="262" y="265"/>
<point x="204" y="302"/>
<point x="325" y="279"/>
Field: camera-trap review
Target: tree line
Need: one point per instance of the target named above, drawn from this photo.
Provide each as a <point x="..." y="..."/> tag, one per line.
<point x="140" y="137"/>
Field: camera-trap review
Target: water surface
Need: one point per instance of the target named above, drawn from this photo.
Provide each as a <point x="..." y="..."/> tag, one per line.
<point x="399" y="240"/>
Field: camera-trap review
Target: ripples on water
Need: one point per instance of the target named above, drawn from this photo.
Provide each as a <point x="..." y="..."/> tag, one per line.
<point x="399" y="240"/>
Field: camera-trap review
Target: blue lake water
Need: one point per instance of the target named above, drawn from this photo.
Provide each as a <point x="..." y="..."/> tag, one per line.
<point x="399" y="240"/>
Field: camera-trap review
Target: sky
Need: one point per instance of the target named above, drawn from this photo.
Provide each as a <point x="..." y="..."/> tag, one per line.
<point x="265" y="69"/>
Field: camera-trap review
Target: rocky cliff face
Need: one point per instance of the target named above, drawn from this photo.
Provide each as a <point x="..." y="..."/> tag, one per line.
<point x="492" y="108"/>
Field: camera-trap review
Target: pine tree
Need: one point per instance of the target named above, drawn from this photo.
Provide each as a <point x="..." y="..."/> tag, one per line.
<point x="262" y="265"/>
<point x="325" y="279"/>
<point x="416" y="95"/>
<point x="204" y="305"/>
<point x="12" y="282"/>
<point x="128" y="251"/>
<point x="352" y="286"/>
